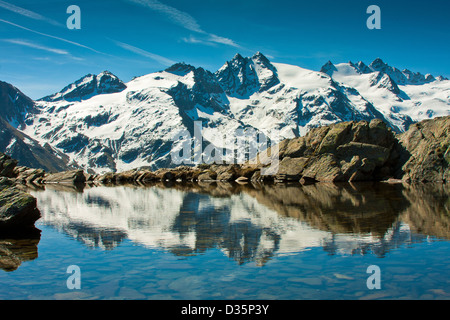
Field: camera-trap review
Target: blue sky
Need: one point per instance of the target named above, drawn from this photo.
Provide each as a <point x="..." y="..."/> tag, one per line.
<point x="40" y="55"/>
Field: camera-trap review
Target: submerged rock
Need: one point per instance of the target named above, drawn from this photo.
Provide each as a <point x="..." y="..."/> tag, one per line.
<point x="17" y="247"/>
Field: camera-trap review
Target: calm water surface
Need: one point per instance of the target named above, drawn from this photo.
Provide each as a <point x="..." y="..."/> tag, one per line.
<point x="229" y="241"/>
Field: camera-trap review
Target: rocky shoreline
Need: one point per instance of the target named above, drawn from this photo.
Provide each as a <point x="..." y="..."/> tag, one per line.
<point x="342" y="152"/>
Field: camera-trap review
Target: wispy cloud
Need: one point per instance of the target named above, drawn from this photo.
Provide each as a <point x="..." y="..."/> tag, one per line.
<point x="30" y="44"/>
<point x="28" y="13"/>
<point x="222" y="40"/>
<point x="33" y="45"/>
<point x="210" y="40"/>
<point x="186" y="21"/>
<point x="195" y="40"/>
<point x="179" y="17"/>
<point x="160" y="59"/>
<point x="51" y="36"/>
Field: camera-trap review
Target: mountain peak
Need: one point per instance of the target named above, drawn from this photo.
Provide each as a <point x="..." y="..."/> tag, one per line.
<point x="245" y="76"/>
<point x="363" y="68"/>
<point x="14" y="104"/>
<point x="378" y="63"/>
<point x="260" y="56"/>
<point x="88" y="86"/>
<point x="238" y="56"/>
<point x="107" y="74"/>
<point x="405" y="77"/>
<point x="180" y="69"/>
<point x="328" y="68"/>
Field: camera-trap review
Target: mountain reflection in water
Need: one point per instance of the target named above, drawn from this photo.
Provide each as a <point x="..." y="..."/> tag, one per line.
<point x="250" y="223"/>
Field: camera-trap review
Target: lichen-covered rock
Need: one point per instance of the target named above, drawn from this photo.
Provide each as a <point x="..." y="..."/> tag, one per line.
<point x="426" y="145"/>
<point x="347" y="151"/>
<point x="75" y="176"/>
<point x="7" y="166"/>
<point x="6" y="183"/>
<point x="30" y="175"/>
<point x="291" y="168"/>
<point x="17" y="209"/>
<point x="207" y="175"/>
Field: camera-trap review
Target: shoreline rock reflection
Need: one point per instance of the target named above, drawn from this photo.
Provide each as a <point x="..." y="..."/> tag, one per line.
<point x="16" y="248"/>
<point x="250" y="222"/>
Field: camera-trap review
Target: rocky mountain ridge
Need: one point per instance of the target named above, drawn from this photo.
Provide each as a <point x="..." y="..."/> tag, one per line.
<point x="100" y="124"/>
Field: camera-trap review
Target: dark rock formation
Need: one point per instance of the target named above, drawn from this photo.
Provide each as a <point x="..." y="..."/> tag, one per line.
<point x="89" y="86"/>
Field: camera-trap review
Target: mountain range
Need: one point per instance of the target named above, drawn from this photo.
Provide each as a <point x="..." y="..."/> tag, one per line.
<point x="101" y="124"/>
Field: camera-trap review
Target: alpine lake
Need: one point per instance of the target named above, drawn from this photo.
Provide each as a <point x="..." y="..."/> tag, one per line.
<point x="220" y="241"/>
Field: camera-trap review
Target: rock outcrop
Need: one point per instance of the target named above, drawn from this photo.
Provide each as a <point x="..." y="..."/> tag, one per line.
<point x="72" y="177"/>
<point x="427" y="146"/>
<point x="347" y="151"/>
<point x="18" y="209"/>
<point x="368" y="151"/>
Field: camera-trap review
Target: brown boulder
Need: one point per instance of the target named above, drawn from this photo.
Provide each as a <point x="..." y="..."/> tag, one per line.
<point x="75" y="176"/>
<point x="426" y="150"/>
<point x="17" y="209"/>
<point x="346" y="151"/>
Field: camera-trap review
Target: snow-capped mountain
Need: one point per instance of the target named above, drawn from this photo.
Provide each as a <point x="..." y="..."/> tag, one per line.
<point x="15" y="107"/>
<point x="136" y="127"/>
<point x="403" y="97"/>
<point x="103" y="124"/>
<point x="242" y="77"/>
<point x="87" y="87"/>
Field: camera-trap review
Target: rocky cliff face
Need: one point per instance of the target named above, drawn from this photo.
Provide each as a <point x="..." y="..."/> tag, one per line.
<point x="242" y="77"/>
<point x="15" y="106"/>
